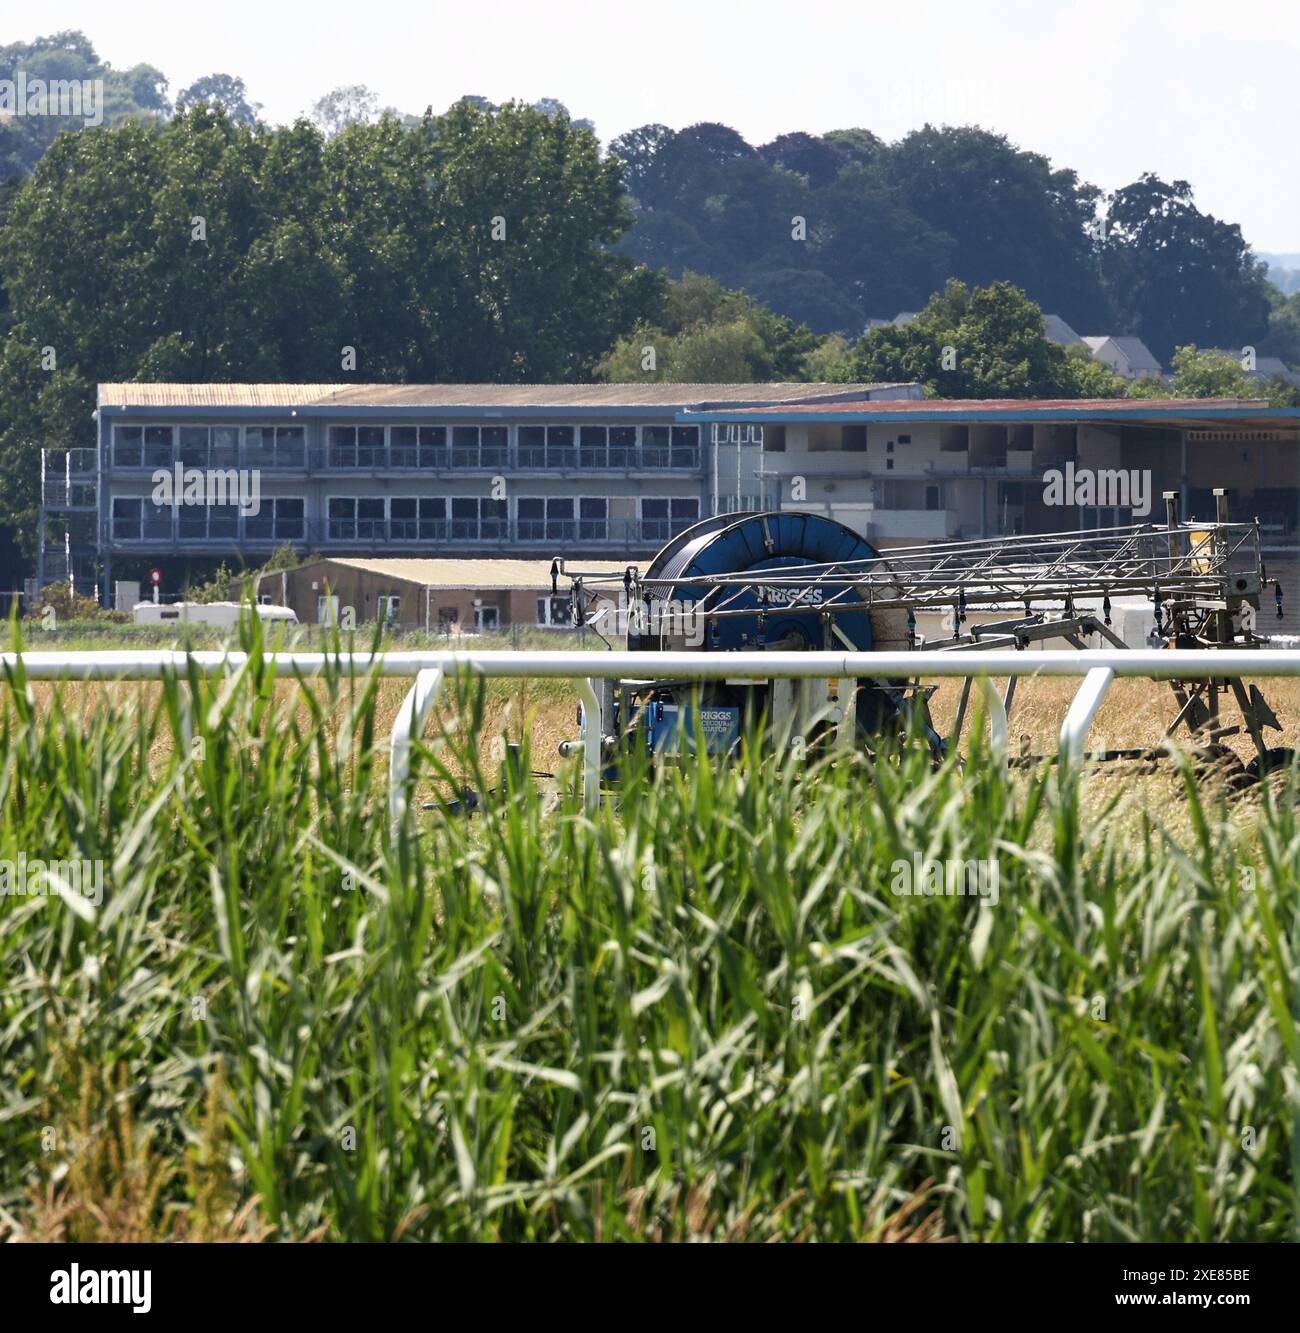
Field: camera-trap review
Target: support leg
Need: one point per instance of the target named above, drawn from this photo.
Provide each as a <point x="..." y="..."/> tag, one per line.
<point x="593" y="735"/>
<point x="409" y="724"/>
<point x="997" y="717"/>
<point x="1074" y="730"/>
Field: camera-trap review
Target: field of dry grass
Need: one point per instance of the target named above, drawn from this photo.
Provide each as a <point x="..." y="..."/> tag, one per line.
<point x="1135" y="714"/>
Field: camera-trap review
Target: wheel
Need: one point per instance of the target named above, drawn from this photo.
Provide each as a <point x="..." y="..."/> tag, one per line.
<point x="1269" y="761"/>
<point x="1219" y="762"/>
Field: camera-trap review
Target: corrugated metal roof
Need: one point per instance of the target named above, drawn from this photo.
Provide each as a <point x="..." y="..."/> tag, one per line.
<point x="477" y="396"/>
<point x="1019" y="406"/>
<point x="486" y="574"/>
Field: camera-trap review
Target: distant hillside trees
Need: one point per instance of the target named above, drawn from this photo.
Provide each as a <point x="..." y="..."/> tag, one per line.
<point x="1176" y="275"/>
<point x="836" y="229"/>
<point x="139" y="92"/>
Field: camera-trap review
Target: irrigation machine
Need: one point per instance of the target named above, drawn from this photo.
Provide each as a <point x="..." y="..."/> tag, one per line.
<point x="791" y="581"/>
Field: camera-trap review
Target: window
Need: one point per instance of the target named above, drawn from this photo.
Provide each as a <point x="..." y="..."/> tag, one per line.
<point x="423" y="519"/>
<point x="389" y="608"/>
<point x="530" y="521"/>
<point x="933" y="499"/>
<point x="259" y="446"/>
<point x="128" y="446"/>
<point x="622" y="446"/>
<point x="343" y="446"/>
<point x="684" y="514"/>
<point x="192" y="522"/>
<point x="480" y="446"/>
<point x="540" y="519"/>
<point x="560" y="451"/>
<point x="157" y="521"/>
<point x="593" y="520"/>
<point x="487" y="617"/>
<point x="433" y="446"/>
<point x="342" y="519"/>
<point x="356" y="446"/>
<point x="370" y="519"/>
<point x="663" y="518"/>
<point x="225" y="446"/>
<point x="126" y="519"/>
<point x="494" y="520"/>
<point x="464" y="446"/>
<point x="158" y="446"/>
<point x="654" y="520"/>
<point x="554" y="611"/>
<point x="277" y="520"/>
<point x="593" y="447"/>
<point x="686" y="446"/>
<point x="473" y="519"/>
<point x="403" y="446"/>
<point x="274" y="446"/>
<point x="494" y="447"/>
<point x="532" y="446"/>
<point x="223" y="521"/>
<point x="447" y="617"/>
<point x="559" y="520"/>
<point x="290" y="446"/>
<point x="370" y="446"/>
<point x="352" y="519"/>
<point x="194" y="446"/>
<point x="654" y="446"/>
<point x="464" y="518"/>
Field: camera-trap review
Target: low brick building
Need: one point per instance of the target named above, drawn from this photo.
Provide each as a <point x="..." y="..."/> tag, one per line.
<point x="435" y="594"/>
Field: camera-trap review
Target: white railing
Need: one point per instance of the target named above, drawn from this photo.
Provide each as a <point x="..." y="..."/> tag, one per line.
<point x="1098" y="668"/>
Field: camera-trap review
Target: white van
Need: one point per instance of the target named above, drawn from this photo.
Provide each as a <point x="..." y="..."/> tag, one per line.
<point x="207" y="613"/>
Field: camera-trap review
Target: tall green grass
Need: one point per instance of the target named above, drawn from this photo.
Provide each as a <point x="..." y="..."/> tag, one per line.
<point x="703" y="1012"/>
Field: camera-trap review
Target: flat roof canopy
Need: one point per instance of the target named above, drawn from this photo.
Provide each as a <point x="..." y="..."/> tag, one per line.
<point x="472" y="399"/>
<point x="1184" y="412"/>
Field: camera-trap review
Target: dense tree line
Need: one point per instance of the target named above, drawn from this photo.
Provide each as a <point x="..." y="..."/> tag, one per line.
<point x="474" y="246"/>
<point x="838" y="229"/>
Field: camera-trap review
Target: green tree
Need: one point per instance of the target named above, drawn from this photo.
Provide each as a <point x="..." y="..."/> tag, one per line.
<point x="136" y="93"/>
<point x="1283" y="337"/>
<point x="225" y="91"/>
<point x="341" y="108"/>
<point x="707" y="333"/>
<point x="1010" y="215"/>
<point x="1199" y="373"/>
<point x="1176" y="275"/>
<point x="985" y="343"/>
<point x="476" y="246"/>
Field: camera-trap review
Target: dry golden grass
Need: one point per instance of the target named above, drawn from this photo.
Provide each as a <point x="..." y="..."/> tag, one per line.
<point x="1135" y="713"/>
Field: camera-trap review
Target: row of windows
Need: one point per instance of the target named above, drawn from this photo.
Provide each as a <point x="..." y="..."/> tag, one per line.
<point x="407" y="518"/>
<point x="425" y="447"/>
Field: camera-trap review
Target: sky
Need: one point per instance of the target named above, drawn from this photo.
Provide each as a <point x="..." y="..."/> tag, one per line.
<point x="1195" y="90"/>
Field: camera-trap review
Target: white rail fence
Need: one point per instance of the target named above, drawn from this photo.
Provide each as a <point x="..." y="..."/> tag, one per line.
<point x="1097" y="668"/>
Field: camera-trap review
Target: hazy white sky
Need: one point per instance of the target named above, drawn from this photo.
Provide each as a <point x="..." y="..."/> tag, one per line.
<point x="1198" y="90"/>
